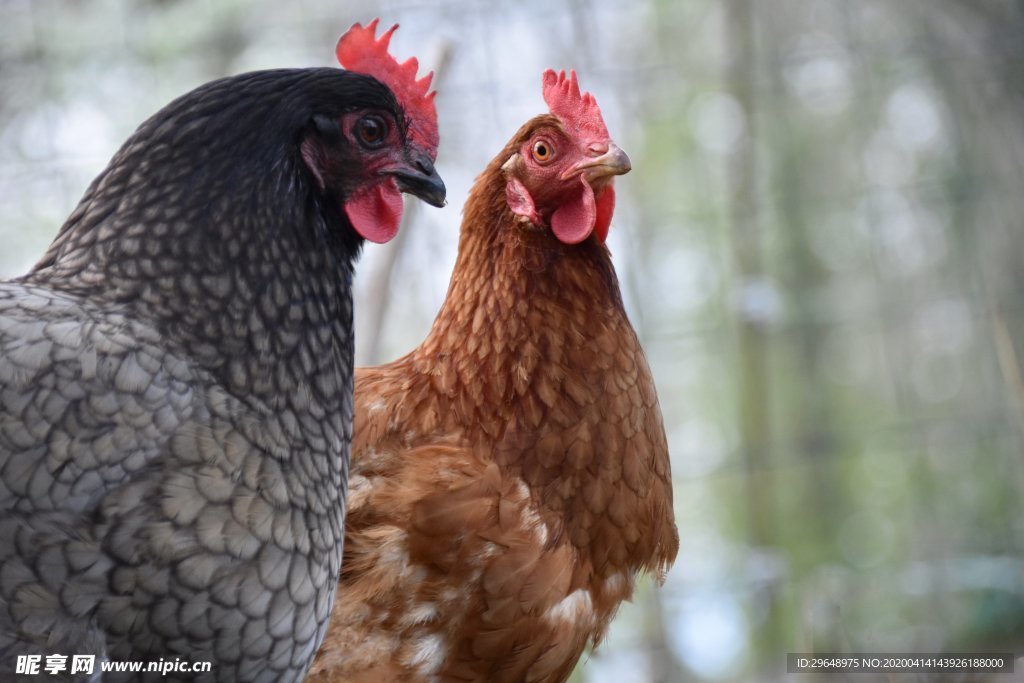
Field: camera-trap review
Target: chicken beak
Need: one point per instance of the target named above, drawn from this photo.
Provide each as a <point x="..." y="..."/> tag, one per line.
<point x="420" y="178"/>
<point x="612" y="163"/>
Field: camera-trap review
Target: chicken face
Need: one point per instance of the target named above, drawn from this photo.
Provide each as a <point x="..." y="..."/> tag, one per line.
<point x="565" y="182"/>
<point x="365" y="158"/>
<point x="383" y="155"/>
<point x="561" y="174"/>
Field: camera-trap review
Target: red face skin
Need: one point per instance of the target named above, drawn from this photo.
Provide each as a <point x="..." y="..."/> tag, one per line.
<point x="565" y="182"/>
<point x="362" y="167"/>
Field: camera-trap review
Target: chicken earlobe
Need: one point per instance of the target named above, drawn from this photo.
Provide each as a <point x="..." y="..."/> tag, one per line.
<point x="376" y="211"/>
<point x="520" y="201"/>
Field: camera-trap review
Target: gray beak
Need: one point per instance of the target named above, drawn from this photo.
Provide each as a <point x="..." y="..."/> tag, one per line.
<point x="612" y="163"/>
<point x="421" y="179"/>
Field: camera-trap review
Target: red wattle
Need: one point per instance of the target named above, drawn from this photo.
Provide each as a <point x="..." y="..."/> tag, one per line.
<point x="605" y="209"/>
<point x="573" y="221"/>
<point x="376" y="212"/>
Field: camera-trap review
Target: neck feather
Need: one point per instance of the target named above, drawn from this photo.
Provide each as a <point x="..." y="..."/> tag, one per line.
<point x="524" y="314"/>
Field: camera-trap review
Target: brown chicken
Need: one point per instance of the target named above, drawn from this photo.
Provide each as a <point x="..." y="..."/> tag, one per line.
<point x="510" y="477"/>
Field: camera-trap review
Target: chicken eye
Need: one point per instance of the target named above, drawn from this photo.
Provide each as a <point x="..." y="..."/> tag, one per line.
<point x="543" y="151"/>
<point x="371" y="131"/>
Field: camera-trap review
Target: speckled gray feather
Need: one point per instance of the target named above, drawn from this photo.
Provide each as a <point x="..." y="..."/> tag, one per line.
<point x="176" y="394"/>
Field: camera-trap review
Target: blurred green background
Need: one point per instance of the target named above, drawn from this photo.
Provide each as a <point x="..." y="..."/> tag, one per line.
<point x="820" y="246"/>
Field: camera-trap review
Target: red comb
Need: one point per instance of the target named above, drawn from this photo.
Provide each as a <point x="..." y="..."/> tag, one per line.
<point x="579" y="113"/>
<point x="361" y="51"/>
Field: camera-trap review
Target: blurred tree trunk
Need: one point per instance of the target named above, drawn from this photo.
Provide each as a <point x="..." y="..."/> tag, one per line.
<point x="804" y="278"/>
<point x="754" y="394"/>
<point x="977" y="56"/>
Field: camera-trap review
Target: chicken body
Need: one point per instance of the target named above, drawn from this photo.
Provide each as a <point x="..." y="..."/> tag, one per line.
<point x="176" y="388"/>
<point x="510" y="477"/>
